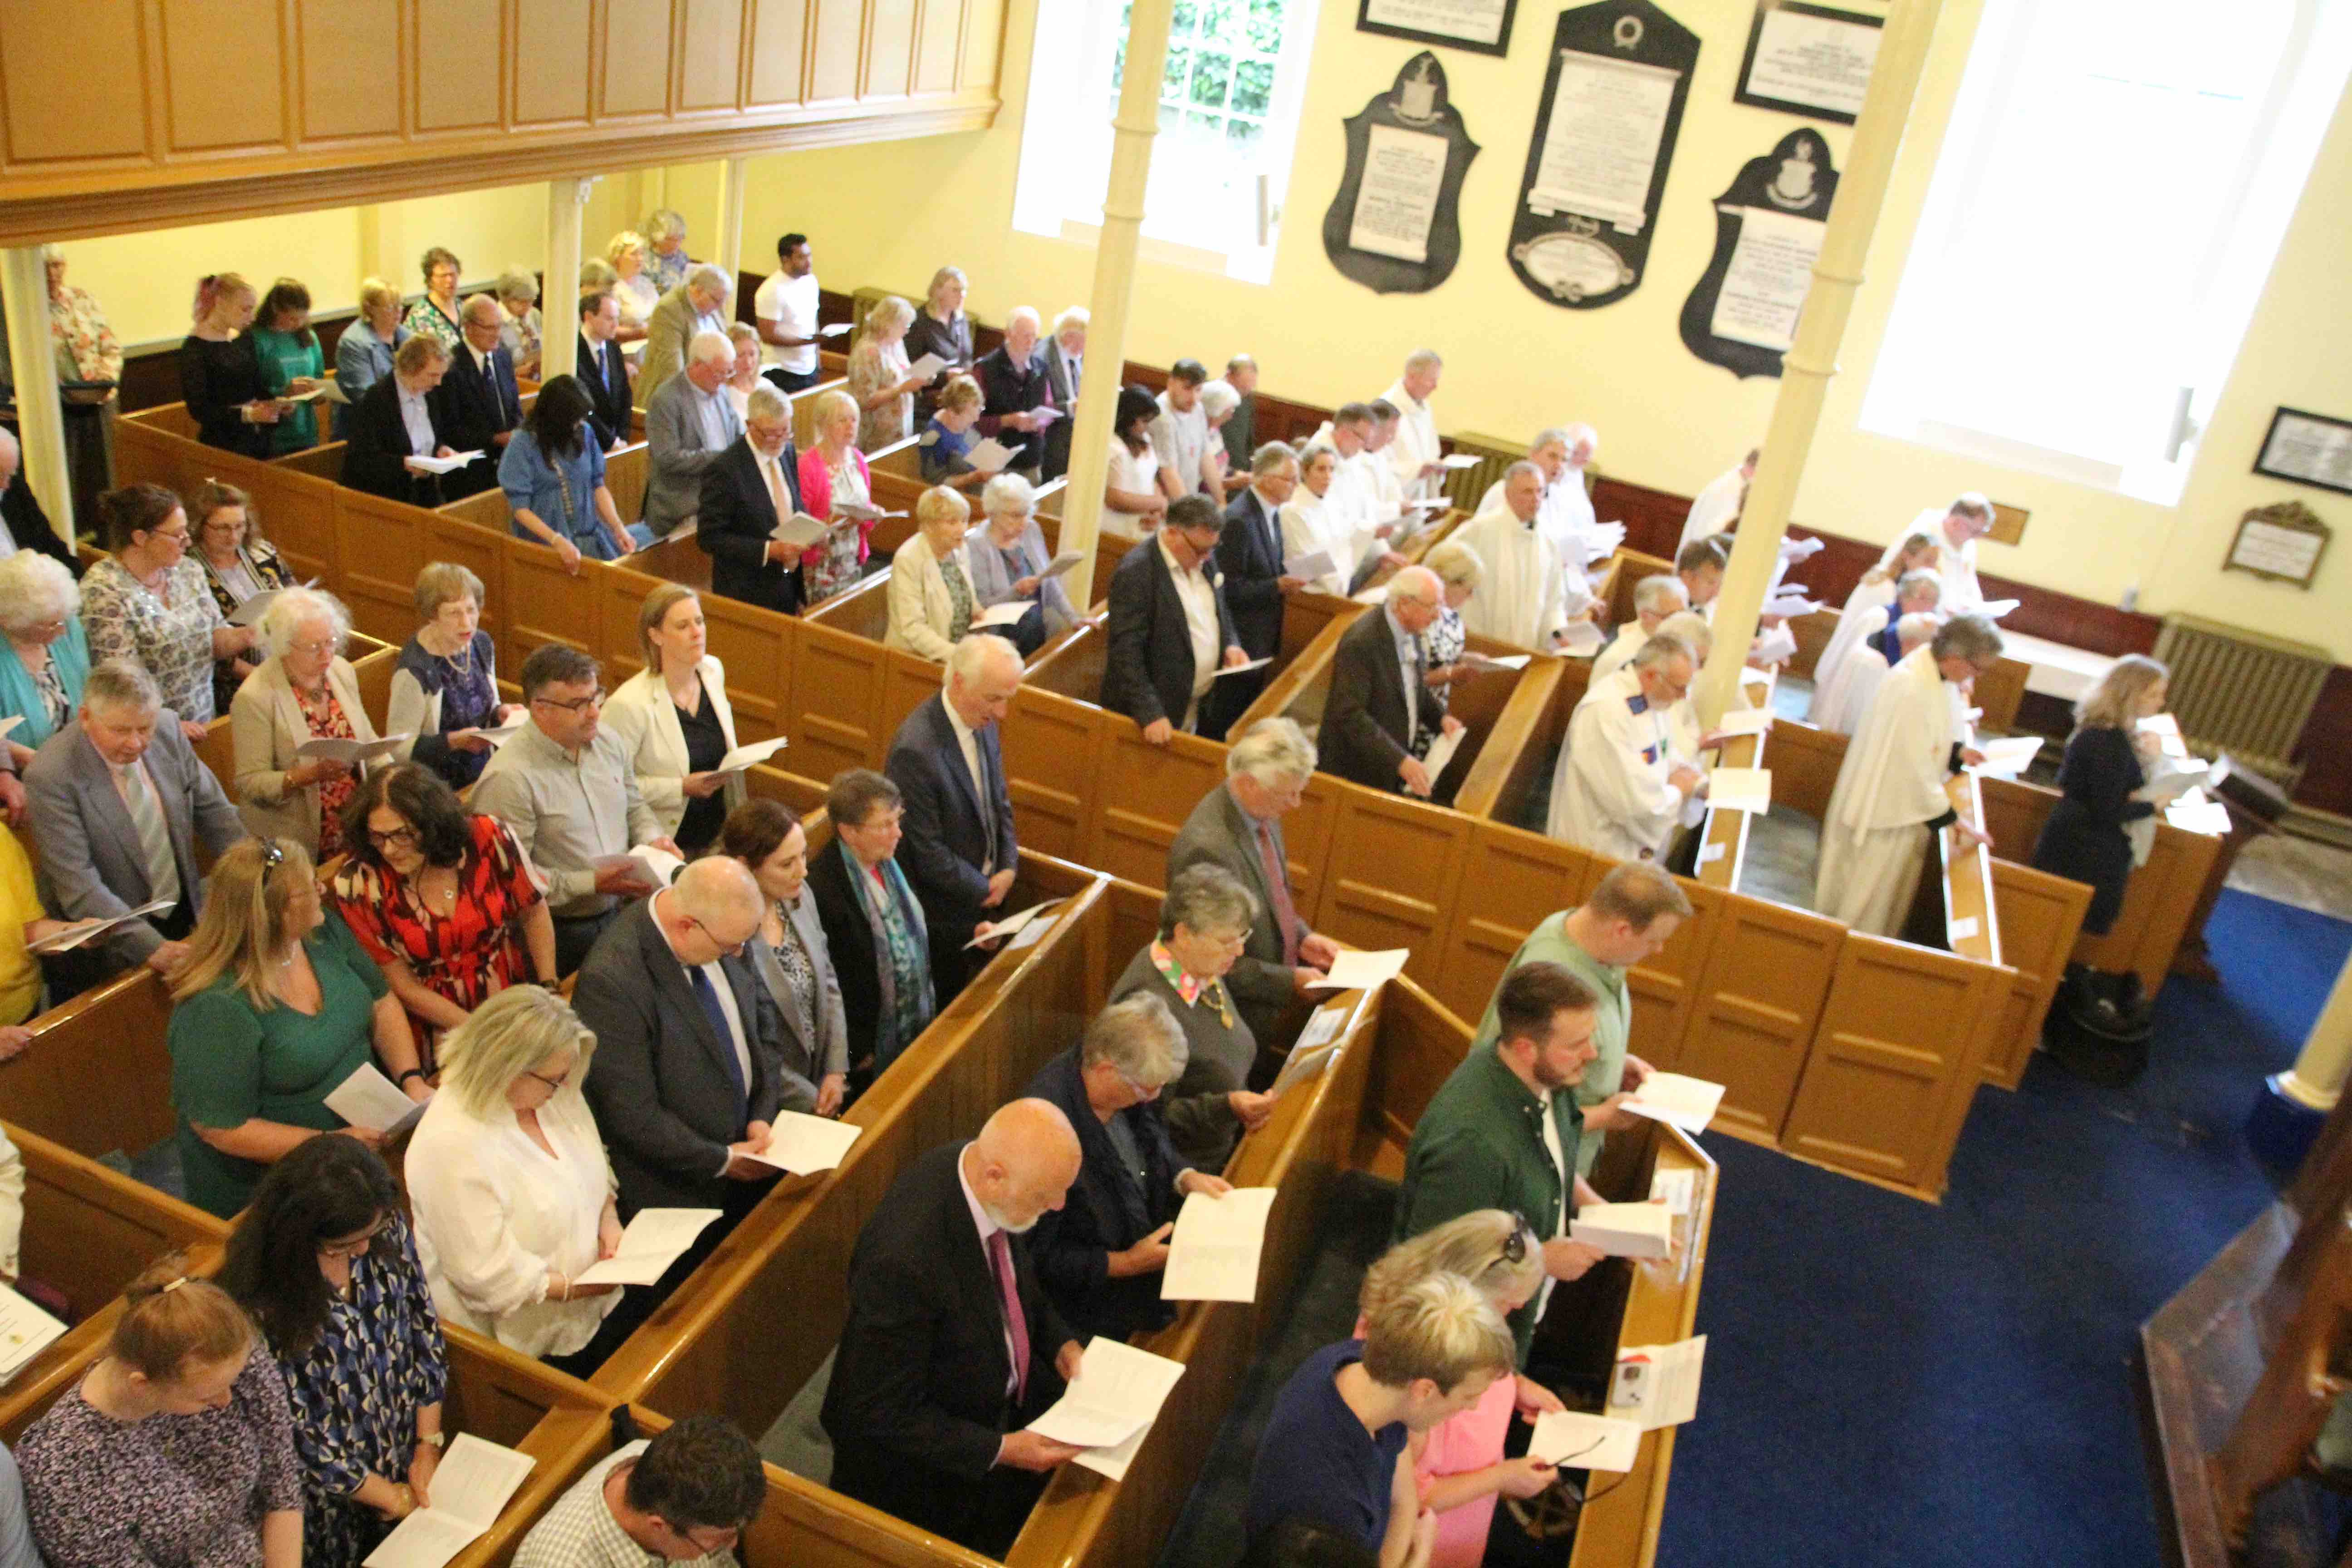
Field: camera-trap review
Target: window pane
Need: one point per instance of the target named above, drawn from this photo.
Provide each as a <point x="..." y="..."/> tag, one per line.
<point x="1211" y="73"/>
<point x="1242" y="136"/>
<point x="1183" y="19"/>
<point x="1265" y="26"/>
<point x="1171" y="80"/>
<point x="1219" y="18"/>
<point x="1252" y="87"/>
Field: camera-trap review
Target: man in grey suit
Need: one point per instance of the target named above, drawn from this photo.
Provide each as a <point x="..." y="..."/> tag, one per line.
<point x="120" y="803"/>
<point x="1065" y="356"/>
<point x="689" y="423"/>
<point x="696" y="306"/>
<point x="1238" y="825"/>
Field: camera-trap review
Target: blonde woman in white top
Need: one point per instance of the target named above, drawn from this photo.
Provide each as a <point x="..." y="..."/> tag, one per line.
<point x="1307" y="524"/>
<point x="513" y="1196"/>
<point x="674" y="718"/>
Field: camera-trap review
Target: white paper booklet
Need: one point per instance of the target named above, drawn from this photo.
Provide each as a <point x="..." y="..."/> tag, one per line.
<point x="2008" y="757"/>
<point x="991" y="456"/>
<point x="1485" y="661"/>
<point x="859" y="511"/>
<point x="654" y="1241"/>
<point x="249" y="613"/>
<point x="352" y="752"/>
<point x="659" y="867"/>
<point x="1359" y="970"/>
<point x="748" y="756"/>
<point x="805" y="1144"/>
<point x="1441" y="752"/>
<point x="1740" y="789"/>
<point x="439" y="466"/>
<point x="800" y="530"/>
<point x="1015" y="924"/>
<point x="81" y="932"/>
<point x="1318" y="1047"/>
<point x="499" y="734"/>
<point x="1625" y="1230"/>
<point x="1244" y="668"/>
<point x="25" y="1331"/>
<point x="1117" y="1391"/>
<point x="1657" y="1385"/>
<point x="1461" y="460"/>
<point x="1582" y="640"/>
<point x="1677" y="1188"/>
<point x="1746" y="721"/>
<point x="927" y="367"/>
<point x="1010" y="612"/>
<point x="1577" y="1441"/>
<point x="1061" y="564"/>
<point x="1315" y="564"/>
<point x="368" y="1098"/>
<point x="472" y="1484"/>
<point x="832" y="330"/>
<point x="1676" y="1099"/>
<point x="1214" y="1251"/>
<point x="1993" y="609"/>
<point x="1789" y="604"/>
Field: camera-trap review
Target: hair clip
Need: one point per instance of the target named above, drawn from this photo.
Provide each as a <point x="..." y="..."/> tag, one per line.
<point x="272" y="853"/>
<point x="175" y="1284"/>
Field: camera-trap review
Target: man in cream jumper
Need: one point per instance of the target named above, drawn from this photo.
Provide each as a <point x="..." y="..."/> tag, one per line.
<point x="1955" y="530"/>
<point x="1623" y="777"/>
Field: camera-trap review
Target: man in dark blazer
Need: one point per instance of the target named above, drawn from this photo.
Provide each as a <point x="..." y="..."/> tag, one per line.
<point x="958" y="852"/>
<point x="1249" y="554"/>
<point x="1379" y="698"/>
<point x="1064" y="357"/>
<point x="478" y="405"/>
<point x="25" y="525"/>
<point x="737" y="512"/>
<point x="1169" y="627"/>
<point x="689" y="1072"/>
<point x="952" y="1347"/>
<point x="95" y="862"/>
<point x="396" y="419"/>
<point x="604" y="370"/>
<point x="1013" y="386"/>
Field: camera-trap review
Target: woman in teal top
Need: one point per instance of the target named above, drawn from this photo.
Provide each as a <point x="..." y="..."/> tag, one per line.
<point x="44" y="652"/>
<point x="291" y="362"/>
<point x="276" y="1005"/>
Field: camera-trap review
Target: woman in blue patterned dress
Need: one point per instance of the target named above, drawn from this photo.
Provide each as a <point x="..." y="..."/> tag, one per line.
<point x="326" y="1265"/>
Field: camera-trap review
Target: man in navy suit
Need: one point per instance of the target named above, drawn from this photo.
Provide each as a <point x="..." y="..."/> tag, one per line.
<point x="745" y="491"/>
<point x="1171" y="630"/>
<point x="477" y="406"/>
<point x="959" y="850"/>
<point x="603" y="369"/>
<point x="1249" y="554"/>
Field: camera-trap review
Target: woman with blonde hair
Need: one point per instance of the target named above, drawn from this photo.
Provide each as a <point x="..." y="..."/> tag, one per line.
<point x="1461" y="1458"/>
<point x="878" y="378"/>
<point x="176" y="1446"/>
<point x="305" y="690"/>
<point x="674" y="719"/>
<point x="632" y="286"/>
<point x="364" y="354"/>
<point x="1876" y="591"/>
<point x="931" y="598"/>
<point x="514" y="1198"/>
<point x="221" y="379"/>
<point x="833" y="473"/>
<point x="940" y="328"/>
<point x="275" y="1006"/>
<point x="746" y="373"/>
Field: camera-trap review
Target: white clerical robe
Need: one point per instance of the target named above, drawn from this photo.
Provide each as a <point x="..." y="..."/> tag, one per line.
<point x="1838" y="707"/>
<point x="1874" y="838"/>
<point x="1415" y="443"/>
<point x="1866" y="597"/>
<point x="1609" y="792"/>
<point x="1620" y="651"/>
<point x="1564" y="513"/>
<point x="1956" y="563"/>
<point x="1519" y="599"/>
<point x="1714" y="508"/>
<point x="1308" y="525"/>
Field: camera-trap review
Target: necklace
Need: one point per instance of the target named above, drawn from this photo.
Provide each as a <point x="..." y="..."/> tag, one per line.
<point x="460" y="660"/>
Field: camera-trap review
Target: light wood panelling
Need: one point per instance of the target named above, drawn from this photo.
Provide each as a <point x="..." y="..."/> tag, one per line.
<point x="458" y="73"/>
<point x="360" y="96"/>
<point x="224" y="74"/>
<point x="636" y="57"/>
<point x="1759" y="1003"/>
<point x="836" y="49"/>
<point x="551" y="67"/>
<point x="890" y="47"/>
<point x="712" y="57"/>
<point x="59" y="109"/>
<point x="938" y="46"/>
<point x="779" y="30"/>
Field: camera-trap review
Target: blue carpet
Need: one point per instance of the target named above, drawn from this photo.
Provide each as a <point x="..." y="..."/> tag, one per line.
<point x="1891" y="1383"/>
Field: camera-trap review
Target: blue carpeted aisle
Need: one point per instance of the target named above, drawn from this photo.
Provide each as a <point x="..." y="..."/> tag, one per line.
<point x="1891" y="1382"/>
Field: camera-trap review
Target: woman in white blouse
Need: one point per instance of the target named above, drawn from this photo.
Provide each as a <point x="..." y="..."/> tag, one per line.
<point x="512" y="1194"/>
<point x="932" y="600"/>
<point x="1133" y="505"/>
<point x="1308" y="527"/>
<point x="674" y="718"/>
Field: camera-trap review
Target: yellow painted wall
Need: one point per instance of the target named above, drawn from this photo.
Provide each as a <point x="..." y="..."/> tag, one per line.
<point x="890" y="213"/>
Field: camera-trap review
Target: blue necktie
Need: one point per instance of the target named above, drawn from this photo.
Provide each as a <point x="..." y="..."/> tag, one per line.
<point x="708" y="995"/>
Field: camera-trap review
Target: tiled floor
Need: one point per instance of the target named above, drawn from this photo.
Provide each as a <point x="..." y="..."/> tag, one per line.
<point x="2310" y="875"/>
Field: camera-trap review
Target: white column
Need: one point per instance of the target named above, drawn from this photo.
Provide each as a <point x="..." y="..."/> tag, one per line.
<point x="1130" y="166"/>
<point x="729" y="252"/>
<point x="40" y="417"/>
<point x="559" y="295"/>
<point x="1807" y="368"/>
<point x="2316" y="1080"/>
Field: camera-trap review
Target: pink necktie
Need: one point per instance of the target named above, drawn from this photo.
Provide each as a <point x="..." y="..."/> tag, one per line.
<point x="1285" y="914"/>
<point x="999" y="1258"/>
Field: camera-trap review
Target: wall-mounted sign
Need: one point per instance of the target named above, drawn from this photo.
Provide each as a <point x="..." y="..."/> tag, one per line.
<point x="1395" y="225"/>
<point x="2281" y="542"/>
<point x="1808" y="59"/>
<point x="2309" y="448"/>
<point x="1481" y="24"/>
<point x="1612" y="103"/>
<point x="1769" y="225"/>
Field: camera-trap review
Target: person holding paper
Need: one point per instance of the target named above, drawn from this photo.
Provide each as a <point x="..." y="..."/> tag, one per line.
<point x="148" y="602"/>
<point x="674" y="720"/>
<point x="292" y="363"/>
<point x="931" y="604"/>
<point x="791" y="954"/>
<point x="553" y="476"/>
<point x="1843" y="688"/>
<point x="879" y="376"/>
<point x="221" y="380"/>
<point x="1009" y="559"/>
<point x="881" y="941"/>
<point x="786" y="306"/>
<point x="1864" y="667"/>
<point x="1502" y="1132"/>
<point x="1627" y="919"/>
<point x="442" y="899"/>
<point x="44" y="658"/>
<point x="1379" y="700"/>
<point x="22" y="923"/>
<point x="1238" y="825"/>
<point x="689" y="425"/>
<point x="1311" y="526"/>
<point x="1204" y="923"/>
<point x="1133" y="503"/>
<point x="1414" y="455"/>
<point x="444" y="685"/>
<point x="952" y="1345"/>
<point x="1915" y="551"/>
<point x="1461" y="1458"/>
<point x="1065" y="356"/>
<point x="238" y="564"/>
<point x="1250" y="553"/>
<point x="1891" y="785"/>
<point x="305" y="690"/>
<point x="396" y="419"/>
<point x="1655" y="598"/>
<point x="1353" y="510"/>
<point x="276" y="1006"/>
<point x="1623" y="781"/>
<point x="835" y="479"/>
<point x="477" y="407"/>
<point x="1169" y="630"/>
<point x="1101" y="1254"/>
<point x="1565" y="511"/>
<point x="942" y="329"/>
<point x="569" y="792"/>
<point x="1523" y="599"/>
<point x="1716" y="509"/>
<point x="686" y="1497"/>
<point x="2101" y="790"/>
<point x="1335" y="1448"/>
<point x="325" y="1266"/>
<point x="1459" y="572"/>
<point x="180" y="1440"/>
<point x="959" y="852"/>
<point x="949" y="439"/>
<point x="742" y="494"/>
<point x="1013" y="390"/>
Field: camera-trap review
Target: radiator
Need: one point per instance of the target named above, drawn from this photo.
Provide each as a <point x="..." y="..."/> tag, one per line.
<point x="2242" y="693"/>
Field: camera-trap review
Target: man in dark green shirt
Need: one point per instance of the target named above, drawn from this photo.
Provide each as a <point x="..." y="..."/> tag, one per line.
<point x="1502" y="1132"/>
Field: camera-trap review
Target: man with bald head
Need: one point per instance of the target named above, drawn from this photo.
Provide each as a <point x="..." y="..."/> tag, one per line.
<point x="958" y="852"/>
<point x="1017" y="401"/>
<point x="952" y="1347"/>
<point x="1381" y="697"/>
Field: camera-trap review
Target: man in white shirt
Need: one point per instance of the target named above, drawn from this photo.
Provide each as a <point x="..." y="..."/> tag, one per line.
<point x="1622" y="782"/>
<point x="786" y="305"/>
<point x="1385" y="483"/>
<point x="1717" y="507"/>
<point x="1351" y="508"/>
<point x="1521" y="600"/>
<point x="1414" y="452"/>
<point x="1955" y="530"/>
<point x="1655" y="598"/>
<point x="684" y="1498"/>
<point x="1180" y="434"/>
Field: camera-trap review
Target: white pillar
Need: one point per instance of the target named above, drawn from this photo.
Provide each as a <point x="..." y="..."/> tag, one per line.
<point x="559" y="294"/>
<point x="2316" y="1080"/>
<point x="1130" y="166"/>
<point x="728" y="253"/>
<point x="40" y="417"/>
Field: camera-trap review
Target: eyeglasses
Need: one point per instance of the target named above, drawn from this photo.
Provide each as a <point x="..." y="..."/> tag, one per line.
<point x="321" y="644"/>
<point x="555" y="1085"/>
<point x="724" y="946"/>
<point x="406" y="837"/>
<point x="595" y="700"/>
<point x="352" y="1248"/>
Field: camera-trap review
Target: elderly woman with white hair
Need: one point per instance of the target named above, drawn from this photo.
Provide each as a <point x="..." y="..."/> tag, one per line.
<point x="1219" y="401"/>
<point x="519" y="334"/>
<point x="666" y="260"/>
<point x="940" y="328"/>
<point x="878" y="378"/>
<point x="1009" y="557"/>
<point x="304" y="691"/>
<point x="931" y="599"/>
<point x="44" y="652"/>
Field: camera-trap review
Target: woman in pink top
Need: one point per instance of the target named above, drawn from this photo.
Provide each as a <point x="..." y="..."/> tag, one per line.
<point x="1459" y="1462"/>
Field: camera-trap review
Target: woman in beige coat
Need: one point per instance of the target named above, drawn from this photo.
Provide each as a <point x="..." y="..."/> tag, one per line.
<point x="674" y="718"/>
<point x="931" y="599"/>
<point x="305" y="690"/>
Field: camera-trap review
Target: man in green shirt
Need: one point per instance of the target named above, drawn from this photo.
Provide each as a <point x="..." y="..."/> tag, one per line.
<point x="1632" y="914"/>
<point x="1502" y="1132"/>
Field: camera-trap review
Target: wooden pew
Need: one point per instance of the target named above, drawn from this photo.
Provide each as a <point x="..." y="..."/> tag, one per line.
<point x="1503" y="715"/>
<point x="1723" y="835"/>
<point x="1519" y="763"/>
<point x="112" y="1036"/>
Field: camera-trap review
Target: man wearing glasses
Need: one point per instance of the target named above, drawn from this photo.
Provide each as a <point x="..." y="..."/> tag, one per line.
<point x="568" y="791"/>
<point x="1170" y="631"/>
<point x="1379" y="691"/>
<point x="1623" y="780"/>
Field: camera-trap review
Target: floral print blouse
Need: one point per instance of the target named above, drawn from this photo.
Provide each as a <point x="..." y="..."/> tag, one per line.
<point x="171" y="635"/>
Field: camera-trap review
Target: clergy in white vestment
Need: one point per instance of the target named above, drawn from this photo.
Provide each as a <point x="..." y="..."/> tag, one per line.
<point x="1717" y="508"/>
<point x="1623" y="783"/>
<point x="1385" y="483"/>
<point x="1840" y="698"/>
<point x="1355" y="499"/>
<point x="1310" y="525"/>
<point x="1700" y="566"/>
<point x="1521" y="600"/>
<point x="1889" y="802"/>
<point x="1565" y="512"/>
<point x="1414" y="452"/>
<point x="1915" y="552"/>
<point x="1655" y="598"/>
<point x="1691" y="629"/>
<point x="1956" y="530"/>
<point x="1866" y="668"/>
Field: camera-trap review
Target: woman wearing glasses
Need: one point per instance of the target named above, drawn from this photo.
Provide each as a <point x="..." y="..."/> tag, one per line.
<point x="512" y="1194"/>
<point x="274" y="1006"/>
<point x="445" y="903"/>
<point x="149" y="603"/>
<point x="304" y="691"/>
<point x="328" y="1271"/>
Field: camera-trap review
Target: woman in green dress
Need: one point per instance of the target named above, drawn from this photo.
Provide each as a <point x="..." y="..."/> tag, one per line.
<point x="274" y="1006"/>
<point x="291" y="362"/>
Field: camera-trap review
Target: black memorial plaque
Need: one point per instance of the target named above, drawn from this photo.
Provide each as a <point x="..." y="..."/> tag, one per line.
<point x="1795" y="178"/>
<point x="1404" y="233"/>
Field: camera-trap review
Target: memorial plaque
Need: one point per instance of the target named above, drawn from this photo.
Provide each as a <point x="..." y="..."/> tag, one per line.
<point x="1742" y="313"/>
<point x="1809" y="59"/>
<point x="2281" y="542"/>
<point x="2309" y="448"/>
<point x="1395" y="225"/>
<point x="1481" y="24"/>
